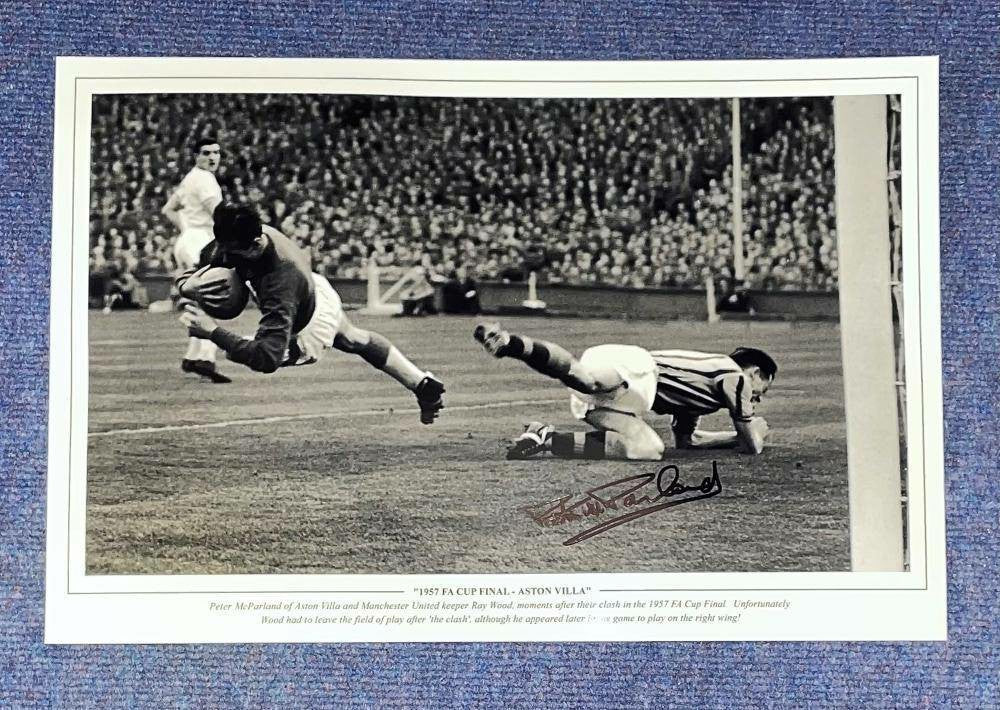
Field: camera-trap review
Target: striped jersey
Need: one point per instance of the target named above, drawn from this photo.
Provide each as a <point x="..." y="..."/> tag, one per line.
<point x="694" y="383"/>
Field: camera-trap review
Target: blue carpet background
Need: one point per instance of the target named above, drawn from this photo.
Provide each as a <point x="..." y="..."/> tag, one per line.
<point x="965" y="672"/>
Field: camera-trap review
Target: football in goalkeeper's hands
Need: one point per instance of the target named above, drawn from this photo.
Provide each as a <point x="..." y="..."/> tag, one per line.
<point x="219" y="291"/>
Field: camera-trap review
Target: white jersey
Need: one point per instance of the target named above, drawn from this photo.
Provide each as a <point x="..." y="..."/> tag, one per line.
<point x="198" y="194"/>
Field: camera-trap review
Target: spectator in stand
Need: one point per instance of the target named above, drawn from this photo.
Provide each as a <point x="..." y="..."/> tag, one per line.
<point x="123" y="292"/>
<point x="460" y="293"/>
<point x="631" y="192"/>
<point x="418" y="298"/>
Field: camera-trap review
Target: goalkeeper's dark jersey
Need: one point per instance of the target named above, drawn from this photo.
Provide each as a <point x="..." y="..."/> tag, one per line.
<point x="282" y="284"/>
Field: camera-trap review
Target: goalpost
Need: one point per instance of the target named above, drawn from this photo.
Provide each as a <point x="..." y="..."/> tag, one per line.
<point x="736" y="135"/>
<point x="861" y="144"/>
<point x="739" y="255"/>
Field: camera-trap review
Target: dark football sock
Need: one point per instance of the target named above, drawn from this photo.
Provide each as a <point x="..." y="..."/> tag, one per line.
<point x="547" y="358"/>
<point x="580" y="445"/>
<point x="376" y="350"/>
<point x="379" y="352"/>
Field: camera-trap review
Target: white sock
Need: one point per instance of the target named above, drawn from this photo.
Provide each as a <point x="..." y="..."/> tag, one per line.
<point x="397" y="365"/>
<point x="194" y="348"/>
<point x="208" y="350"/>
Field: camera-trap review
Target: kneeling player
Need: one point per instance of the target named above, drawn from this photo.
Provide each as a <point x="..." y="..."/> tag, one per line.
<point x="613" y="386"/>
<point x="300" y="313"/>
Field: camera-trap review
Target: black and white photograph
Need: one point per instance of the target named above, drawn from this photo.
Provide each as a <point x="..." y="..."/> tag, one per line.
<point x="556" y="338"/>
<point x="396" y="334"/>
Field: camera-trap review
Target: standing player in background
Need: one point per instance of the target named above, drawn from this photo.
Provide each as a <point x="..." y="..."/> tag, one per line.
<point x="190" y="210"/>
<point x="613" y="386"/>
<point x="300" y="312"/>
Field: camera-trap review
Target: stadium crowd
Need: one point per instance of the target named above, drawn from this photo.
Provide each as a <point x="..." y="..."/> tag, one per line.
<point x="623" y="192"/>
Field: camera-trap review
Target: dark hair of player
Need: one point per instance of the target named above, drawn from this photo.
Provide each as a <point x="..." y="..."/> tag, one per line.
<point x="747" y="357"/>
<point x="236" y="224"/>
<point x="202" y="142"/>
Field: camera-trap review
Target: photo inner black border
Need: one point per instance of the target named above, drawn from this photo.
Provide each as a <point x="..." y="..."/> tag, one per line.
<point x="923" y="436"/>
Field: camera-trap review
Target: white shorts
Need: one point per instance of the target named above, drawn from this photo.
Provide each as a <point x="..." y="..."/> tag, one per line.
<point x="324" y="325"/>
<point x="635" y="366"/>
<point x="187" y="248"/>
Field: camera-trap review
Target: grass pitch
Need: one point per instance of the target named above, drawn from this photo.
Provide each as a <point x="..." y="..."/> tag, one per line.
<point x="326" y="468"/>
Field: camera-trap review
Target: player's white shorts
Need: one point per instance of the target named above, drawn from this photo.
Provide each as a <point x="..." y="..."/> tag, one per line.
<point x="324" y="325"/>
<point x="187" y="248"/>
<point x="635" y="366"/>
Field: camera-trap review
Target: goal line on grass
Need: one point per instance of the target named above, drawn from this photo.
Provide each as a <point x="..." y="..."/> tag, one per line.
<point x="317" y="415"/>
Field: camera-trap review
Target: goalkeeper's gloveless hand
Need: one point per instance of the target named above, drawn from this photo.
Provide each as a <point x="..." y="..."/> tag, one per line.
<point x="198" y="323"/>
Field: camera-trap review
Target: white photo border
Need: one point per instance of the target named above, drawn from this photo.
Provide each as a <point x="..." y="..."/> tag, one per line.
<point x="83" y="608"/>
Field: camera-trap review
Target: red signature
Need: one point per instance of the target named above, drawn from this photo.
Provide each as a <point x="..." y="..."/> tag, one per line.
<point x="620" y="495"/>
